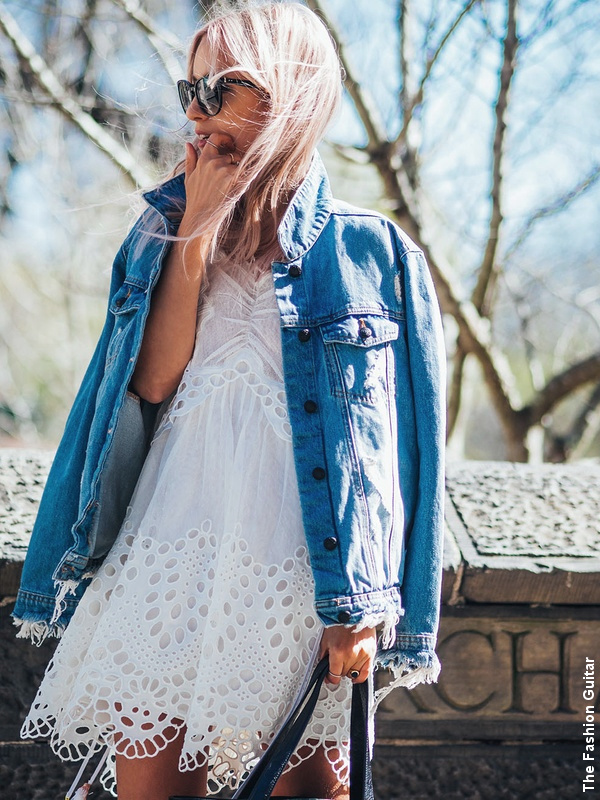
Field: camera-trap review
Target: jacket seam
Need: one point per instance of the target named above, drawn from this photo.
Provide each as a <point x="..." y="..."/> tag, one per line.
<point x="350" y="599"/>
<point x="324" y="451"/>
<point x="320" y="321"/>
<point x="302" y="253"/>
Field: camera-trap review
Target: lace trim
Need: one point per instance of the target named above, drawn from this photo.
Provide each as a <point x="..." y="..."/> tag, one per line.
<point x="195" y="389"/>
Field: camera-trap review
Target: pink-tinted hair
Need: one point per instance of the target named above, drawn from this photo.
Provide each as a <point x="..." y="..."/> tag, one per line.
<point x="285" y="49"/>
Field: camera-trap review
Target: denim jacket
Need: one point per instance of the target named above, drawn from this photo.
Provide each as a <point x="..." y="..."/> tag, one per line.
<point x="364" y="373"/>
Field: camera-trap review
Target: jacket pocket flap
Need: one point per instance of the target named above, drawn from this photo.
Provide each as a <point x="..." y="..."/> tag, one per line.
<point x="365" y="330"/>
<point x="127" y="298"/>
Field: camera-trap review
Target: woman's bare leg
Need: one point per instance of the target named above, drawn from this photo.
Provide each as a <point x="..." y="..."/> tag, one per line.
<point x="157" y="777"/>
<point x="314" y="777"/>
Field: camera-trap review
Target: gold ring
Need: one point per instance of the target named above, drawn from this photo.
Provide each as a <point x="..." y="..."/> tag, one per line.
<point x="354" y="673"/>
<point x="333" y="675"/>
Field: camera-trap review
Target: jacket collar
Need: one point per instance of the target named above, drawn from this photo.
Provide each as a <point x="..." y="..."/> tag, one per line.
<point x="302" y="222"/>
<point x="168" y="198"/>
<point x="307" y="212"/>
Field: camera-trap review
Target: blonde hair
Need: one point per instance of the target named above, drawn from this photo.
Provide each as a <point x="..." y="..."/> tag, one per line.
<point x="287" y="51"/>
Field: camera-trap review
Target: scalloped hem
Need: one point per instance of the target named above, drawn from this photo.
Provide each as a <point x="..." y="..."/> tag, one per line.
<point x="221" y="773"/>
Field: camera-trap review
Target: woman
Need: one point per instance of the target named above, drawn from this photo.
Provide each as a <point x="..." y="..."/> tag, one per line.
<point x="261" y="428"/>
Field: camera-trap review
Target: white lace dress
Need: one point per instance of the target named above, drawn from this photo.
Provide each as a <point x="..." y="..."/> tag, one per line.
<point x="202" y="613"/>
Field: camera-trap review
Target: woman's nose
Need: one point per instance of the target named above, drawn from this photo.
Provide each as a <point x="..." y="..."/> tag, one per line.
<point x="194" y="111"/>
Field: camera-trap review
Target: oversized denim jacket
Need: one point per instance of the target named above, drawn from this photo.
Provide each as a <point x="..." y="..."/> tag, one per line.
<point x="364" y="372"/>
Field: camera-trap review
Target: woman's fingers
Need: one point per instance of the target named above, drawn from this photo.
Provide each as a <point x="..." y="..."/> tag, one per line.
<point x="210" y="168"/>
<point x="362" y="667"/>
<point x="219" y="145"/>
<point x="348" y="651"/>
<point x="336" y="669"/>
<point x="191" y="158"/>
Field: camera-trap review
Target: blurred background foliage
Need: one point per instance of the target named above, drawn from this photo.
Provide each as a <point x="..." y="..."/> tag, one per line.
<point x="473" y="123"/>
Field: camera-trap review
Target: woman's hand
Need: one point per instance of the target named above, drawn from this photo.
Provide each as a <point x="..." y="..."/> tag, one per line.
<point x="209" y="175"/>
<point x="348" y="651"/>
<point x="170" y="331"/>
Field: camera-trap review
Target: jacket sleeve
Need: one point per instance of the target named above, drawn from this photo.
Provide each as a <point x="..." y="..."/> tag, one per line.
<point x="51" y="535"/>
<point x="412" y="658"/>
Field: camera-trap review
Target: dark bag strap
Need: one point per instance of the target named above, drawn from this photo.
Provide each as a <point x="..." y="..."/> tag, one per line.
<point x="260" y="783"/>
<point x="360" y="754"/>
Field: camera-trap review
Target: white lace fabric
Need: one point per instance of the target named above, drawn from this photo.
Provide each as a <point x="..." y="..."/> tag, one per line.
<point x="202" y="614"/>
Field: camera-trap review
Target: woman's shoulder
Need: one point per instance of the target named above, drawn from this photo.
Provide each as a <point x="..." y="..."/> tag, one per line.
<point x="151" y="231"/>
<point x="371" y="225"/>
<point x="152" y="208"/>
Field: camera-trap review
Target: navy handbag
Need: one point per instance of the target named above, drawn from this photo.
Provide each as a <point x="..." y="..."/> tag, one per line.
<point x="261" y="781"/>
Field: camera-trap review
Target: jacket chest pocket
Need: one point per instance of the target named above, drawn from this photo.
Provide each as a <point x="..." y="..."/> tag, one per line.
<point x="359" y="357"/>
<point x="124" y="304"/>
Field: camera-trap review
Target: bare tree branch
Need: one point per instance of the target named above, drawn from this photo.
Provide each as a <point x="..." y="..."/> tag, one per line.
<point x="409" y="106"/>
<point x="134" y="10"/>
<point x="65" y="103"/>
<point x="561" y="447"/>
<point x="474" y="334"/>
<point x="404" y="61"/>
<point x="485" y="279"/>
<point x="554" y="207"/>
<point x="352" y="155"/>
<point x="487" y="275"/>
<point x="378" y="146"/>
<point x="560" y="386"/>
<point x="365" y="107"/>
<point x="586" y="425"/>
<point x="473" y="331"/>
<point x="88" y="44"/>
<point x="455" y="390"/>
<point x="164" y="42"/>
<point x="551" y="15"/>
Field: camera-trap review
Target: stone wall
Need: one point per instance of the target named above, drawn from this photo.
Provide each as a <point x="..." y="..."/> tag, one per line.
<point x="519" y="632"/>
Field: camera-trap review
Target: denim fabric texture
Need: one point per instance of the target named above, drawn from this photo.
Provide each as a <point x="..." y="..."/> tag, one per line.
<point x="364" y="370"/>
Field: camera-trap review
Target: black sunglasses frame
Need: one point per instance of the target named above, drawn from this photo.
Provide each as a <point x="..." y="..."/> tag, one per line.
<point x="209" y="98"/>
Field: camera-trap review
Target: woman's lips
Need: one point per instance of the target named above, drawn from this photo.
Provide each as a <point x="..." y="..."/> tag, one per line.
<point x="202" y="141"/>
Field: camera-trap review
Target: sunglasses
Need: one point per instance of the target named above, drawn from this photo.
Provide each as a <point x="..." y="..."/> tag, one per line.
<point x="209" y="98"/>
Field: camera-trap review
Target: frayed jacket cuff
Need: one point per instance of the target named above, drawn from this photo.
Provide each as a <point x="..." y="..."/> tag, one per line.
<point x="412" y="661"/>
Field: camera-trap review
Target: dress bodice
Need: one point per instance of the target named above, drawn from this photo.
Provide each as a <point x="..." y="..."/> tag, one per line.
<point x="238" y="313"/>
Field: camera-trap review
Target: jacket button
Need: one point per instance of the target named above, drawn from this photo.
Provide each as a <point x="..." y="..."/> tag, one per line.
<point x="365" y="333"/>
<point x="318" y="473"/>
<point x="295" y="270"/>
<point x="344" y="616"/>
<point x="330" y="543"/>
<point x="310" y="406"/>
<point x="304" y="335"/>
